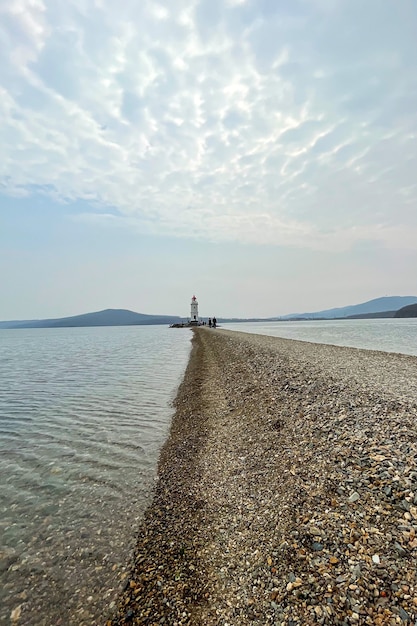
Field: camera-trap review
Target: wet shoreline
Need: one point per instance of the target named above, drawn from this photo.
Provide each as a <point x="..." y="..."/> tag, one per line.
<point x="287" y="490"/>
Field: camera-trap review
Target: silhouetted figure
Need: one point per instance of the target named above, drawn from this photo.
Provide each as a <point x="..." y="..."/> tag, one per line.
<point x="214" y="322"/>
<point x="210" y="322"/>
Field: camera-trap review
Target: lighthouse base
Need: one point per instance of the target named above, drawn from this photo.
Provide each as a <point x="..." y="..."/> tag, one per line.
<point x="189" y="324"/>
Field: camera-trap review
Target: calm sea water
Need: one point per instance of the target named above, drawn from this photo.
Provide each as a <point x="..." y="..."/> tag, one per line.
<point x="83" y="414"/>
<point x="389" y="335"/>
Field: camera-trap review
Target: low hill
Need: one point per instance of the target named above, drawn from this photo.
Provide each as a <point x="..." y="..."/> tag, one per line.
<point x="371" y="316"/>
<point x="407" y="311"/>
<point x="108" y="317"/>
<point x="378" y="305"/>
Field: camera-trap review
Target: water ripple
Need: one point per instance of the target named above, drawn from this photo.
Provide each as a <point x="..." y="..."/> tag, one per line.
<point x="83" y="413"/>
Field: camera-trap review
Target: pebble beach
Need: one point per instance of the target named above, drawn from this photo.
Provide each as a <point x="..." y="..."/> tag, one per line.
<point x="286" y="492"/>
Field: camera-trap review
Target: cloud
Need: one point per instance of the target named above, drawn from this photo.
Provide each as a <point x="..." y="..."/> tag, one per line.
<point x="288" y="123"/>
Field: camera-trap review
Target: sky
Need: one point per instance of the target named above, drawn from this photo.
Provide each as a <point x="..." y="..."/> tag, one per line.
<point x="259" y="153"/>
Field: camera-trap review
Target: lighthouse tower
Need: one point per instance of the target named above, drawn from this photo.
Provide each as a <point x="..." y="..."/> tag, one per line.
<point x="194" y="310"/>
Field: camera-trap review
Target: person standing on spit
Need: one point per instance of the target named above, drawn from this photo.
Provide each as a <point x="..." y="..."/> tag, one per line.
<point x="214" y="322"/>
<point x="210" y="322"/>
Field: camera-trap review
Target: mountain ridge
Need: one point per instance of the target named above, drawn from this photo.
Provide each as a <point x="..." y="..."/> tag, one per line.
<point x="106" y="317"/>
<point x="377" y="305"/>
<point x="386" y="306"/>
<point x="407" y="311"/>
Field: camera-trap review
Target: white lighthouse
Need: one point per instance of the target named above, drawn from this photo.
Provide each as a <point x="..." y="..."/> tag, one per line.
<point x="194" y="310"/>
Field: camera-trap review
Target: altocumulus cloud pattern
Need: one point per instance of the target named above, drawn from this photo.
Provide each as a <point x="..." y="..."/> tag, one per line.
<point x="288" y="122"/>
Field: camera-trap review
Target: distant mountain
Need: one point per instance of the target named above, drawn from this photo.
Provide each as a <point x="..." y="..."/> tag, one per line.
<point x="371" y="316"/>
<point x="108" y="317"/>
<point x="407" y="311"/>
<point x="395" y="306"/>
<point x="379" y="305"/>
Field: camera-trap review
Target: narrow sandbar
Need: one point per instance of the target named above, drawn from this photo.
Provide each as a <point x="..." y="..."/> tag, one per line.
<point x="287" y="490"/>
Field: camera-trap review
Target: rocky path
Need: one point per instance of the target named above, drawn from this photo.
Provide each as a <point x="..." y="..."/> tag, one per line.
<point x="287" y="491"/>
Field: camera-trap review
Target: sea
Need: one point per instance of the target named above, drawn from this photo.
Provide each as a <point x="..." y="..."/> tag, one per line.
<point x="83" y="415"/>
<point x="387" y="335"/>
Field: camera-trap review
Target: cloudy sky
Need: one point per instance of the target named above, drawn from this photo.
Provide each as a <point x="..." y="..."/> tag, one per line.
<point x="259" y="153"/>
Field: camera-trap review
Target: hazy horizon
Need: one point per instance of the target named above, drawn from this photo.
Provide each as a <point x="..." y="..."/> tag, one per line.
<point x="202" y="314"/>
<point x="259" y="154"/>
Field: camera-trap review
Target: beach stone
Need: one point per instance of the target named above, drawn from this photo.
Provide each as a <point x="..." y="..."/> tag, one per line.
<point x="400" y="550"/>
<point x="404" y="615"/>
<point x="354" y="497"/>
<point x="16" y="614"/>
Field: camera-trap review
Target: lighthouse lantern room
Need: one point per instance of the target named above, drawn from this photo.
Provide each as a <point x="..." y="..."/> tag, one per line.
<point x="194" y="310"/>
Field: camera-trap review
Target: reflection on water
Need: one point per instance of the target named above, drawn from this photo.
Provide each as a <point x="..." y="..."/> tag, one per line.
<point x="388" y="335"/>
<point x="83" y="413"/>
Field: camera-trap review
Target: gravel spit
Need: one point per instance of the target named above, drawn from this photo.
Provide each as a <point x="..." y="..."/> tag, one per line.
<point x="287" y="490"/>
